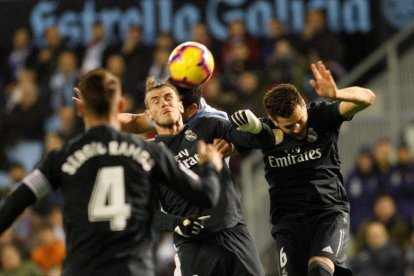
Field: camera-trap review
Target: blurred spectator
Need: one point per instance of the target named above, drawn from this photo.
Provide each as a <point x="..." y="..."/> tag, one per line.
<point x="23" y="127"/>
<point x="216" y="96"/>
<point x="380" y="257"/>
<point x="362" y="188"/>
<point x="200" y="34"/>
<point x="401" y="184"/>
<point x="238" y="36"/>
<point x="164" y="41"/>
<point x="385" y="212"/>
<point x="44" y="60"/>
<point x="284" y="65"/>
<point x="50" y="251"/>
<point x="239" y="64"/>
<point x="158" y="68"/>
<point x="12" y="263"/>
<point x="275" y="33"/>
<point x="383" y="156"/>
<point x="20" y="52"/>
<point x="93" y="55"/>
<point x="54" y="218"/>
<point x="409" y="256"/>
<point x="318" y="43"/>
<point x="249" y="92"/>
<point x="63" y="80"/>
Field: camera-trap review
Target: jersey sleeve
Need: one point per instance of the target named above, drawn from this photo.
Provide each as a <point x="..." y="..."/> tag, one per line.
<point x="163" y="221"/>
<point x="243" y="141"/>
<point x="328" y="113"/>
<point x="202" y="190"/>
<point x="44" y="178"/>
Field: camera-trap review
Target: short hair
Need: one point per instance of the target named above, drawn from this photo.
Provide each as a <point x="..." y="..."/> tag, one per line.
<point x="281" y="100"/>
<point x="98" y="94"/>
<point x="151" y="85"/>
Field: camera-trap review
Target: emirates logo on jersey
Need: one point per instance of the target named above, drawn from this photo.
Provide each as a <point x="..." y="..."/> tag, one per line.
<point x="294" y="157"/>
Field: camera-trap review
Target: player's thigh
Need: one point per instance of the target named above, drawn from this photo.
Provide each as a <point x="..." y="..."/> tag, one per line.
<point x="201" y="259"/>
<point x="331" y="237"/>
<point x="291" y="255"/>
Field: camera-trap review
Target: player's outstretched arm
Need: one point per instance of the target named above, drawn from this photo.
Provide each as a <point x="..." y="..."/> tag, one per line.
<point x="14" y="205"/>
<point x="354" y="99"/>
<point x="246" y="121"/>
<point x="188" y="226"/>
<point x="202" y="190"/>
<point x="132" y="123"/>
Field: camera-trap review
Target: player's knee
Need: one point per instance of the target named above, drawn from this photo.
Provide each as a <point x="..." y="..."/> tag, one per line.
<point x="320" y="266"/>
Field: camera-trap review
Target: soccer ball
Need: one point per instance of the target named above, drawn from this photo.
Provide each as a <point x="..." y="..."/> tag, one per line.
<point x="190" y="64"/>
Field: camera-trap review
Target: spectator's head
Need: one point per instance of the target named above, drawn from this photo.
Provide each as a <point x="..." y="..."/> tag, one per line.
<point x="383" y="152"/>
<point x="52" y="141"/>
<point x="199" y="33"/>
<point x="67" y="62"/>
<point x="384" y="208"/>
<point x="404" y="155"/>
<point x="287" y="110"/>
<point x="376" y="235"/>
<point x="16" y="172"/>
<point x="116" y="65"/>
<point x="164" y="41"/>
<point x="30" y="95"/>
<point x="21" y="38"/>
<point x="134" y="34"/>
<point x="237" y="28"/>
<point x="316" y="19"/>
<point x="98" y="32"/>
<point x="275" y="28"/>
<point x="364" y="160"/>
<point x="52" y="37"/>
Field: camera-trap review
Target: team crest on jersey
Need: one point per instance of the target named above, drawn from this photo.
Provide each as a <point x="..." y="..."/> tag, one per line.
<point x="312" y="135"/>
<point x="190" y="135"/>
<point x="278" y="133"/>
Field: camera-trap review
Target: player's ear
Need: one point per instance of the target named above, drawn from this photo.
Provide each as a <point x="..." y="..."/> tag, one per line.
<point x="274" y="121"/>
<point x="147" y="114"/>
<point x="121" y="105"/>
<point x="181" y="107"/>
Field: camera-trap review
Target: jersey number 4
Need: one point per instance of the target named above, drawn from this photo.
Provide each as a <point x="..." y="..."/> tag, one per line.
<point x="107" y="202"/>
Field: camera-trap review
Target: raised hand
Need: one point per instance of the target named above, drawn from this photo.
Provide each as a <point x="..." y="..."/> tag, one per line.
<point x="322" y="81"/>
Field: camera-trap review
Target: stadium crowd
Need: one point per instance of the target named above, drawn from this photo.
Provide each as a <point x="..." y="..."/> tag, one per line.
<point x="37" y="115"/>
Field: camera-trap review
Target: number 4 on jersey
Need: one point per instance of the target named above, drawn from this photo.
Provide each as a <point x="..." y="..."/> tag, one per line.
<point x="107" y="202"/>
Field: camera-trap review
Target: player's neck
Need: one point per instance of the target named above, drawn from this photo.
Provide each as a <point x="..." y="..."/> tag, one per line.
<point x="169" y="129"/>
<point x="112" y="121"/>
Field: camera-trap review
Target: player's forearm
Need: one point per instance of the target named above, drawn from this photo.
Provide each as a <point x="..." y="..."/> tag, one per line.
<point x="134" y="123"/>
<point x="15" y="205"/>
<point x="359" y="96"/>
<point x="163" y="221"/>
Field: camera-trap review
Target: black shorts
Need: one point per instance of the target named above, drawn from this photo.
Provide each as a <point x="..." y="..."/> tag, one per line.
<point x="229" y="252"/>
<point x="302" y="236"/>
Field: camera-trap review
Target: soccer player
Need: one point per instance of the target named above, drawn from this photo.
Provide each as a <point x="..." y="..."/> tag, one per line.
<point x="107" y="181"/>
<point x="223" y="246"/>
<point x="309" y="206"/>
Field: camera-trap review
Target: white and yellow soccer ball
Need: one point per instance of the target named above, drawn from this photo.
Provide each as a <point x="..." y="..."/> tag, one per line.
<point x="190" y="64"/>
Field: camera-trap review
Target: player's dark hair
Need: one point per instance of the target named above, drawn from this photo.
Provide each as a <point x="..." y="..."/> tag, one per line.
<point x="188" y="96"/>
<point x="281" y="100"/>
<point x="96" y="92"/>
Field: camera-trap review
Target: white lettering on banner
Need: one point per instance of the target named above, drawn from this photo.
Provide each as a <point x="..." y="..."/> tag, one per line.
<point x="155" y="16"/>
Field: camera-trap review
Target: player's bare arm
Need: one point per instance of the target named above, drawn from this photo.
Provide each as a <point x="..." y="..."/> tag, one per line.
<point x="132" y="123"/>
<point x="354" y="99"/>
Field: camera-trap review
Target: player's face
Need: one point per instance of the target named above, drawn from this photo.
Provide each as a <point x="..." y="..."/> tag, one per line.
<point x="296" y="125"/>
<point x="164" y="106"/>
